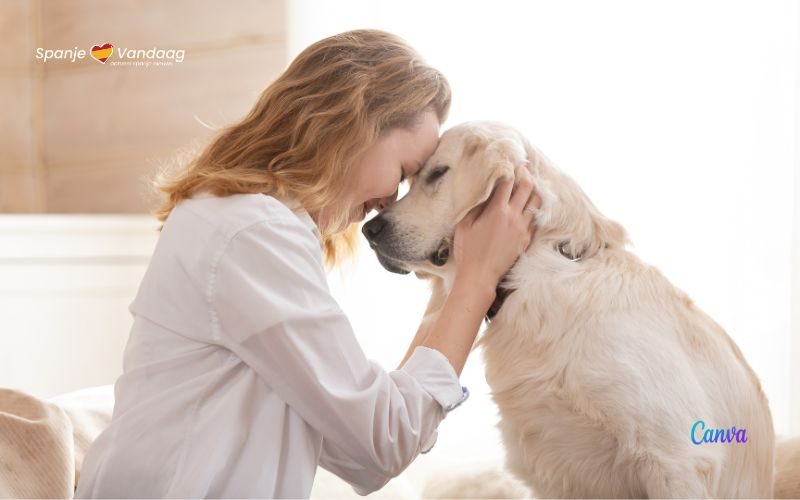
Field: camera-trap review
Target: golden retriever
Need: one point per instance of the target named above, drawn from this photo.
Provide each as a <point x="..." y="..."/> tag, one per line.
<point x="610" y="382"/>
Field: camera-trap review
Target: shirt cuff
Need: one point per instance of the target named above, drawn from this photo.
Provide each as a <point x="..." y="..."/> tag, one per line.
<point x="436" y="375"/>
<point x="428" y="446"/>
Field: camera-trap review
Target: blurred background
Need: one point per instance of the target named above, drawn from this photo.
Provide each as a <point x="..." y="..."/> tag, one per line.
<point x="679" y="119"/>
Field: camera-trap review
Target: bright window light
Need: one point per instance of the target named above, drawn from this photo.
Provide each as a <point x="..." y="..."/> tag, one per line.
<point x="679" y="120"/>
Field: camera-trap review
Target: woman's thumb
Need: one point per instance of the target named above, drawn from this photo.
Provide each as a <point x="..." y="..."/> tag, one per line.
<point x="471" y="215"/>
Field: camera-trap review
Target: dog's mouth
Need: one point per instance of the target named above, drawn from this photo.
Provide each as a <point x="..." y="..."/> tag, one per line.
<point x="401" y="266"/>
<point x="441" y="255"/>
<point x="390" y="264"/>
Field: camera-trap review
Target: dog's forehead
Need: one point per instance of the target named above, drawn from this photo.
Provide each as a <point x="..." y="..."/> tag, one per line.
<point x="451" y="143"/>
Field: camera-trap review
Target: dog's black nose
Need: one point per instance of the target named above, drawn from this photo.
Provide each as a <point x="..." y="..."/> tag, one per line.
<point x="373" y="228"/>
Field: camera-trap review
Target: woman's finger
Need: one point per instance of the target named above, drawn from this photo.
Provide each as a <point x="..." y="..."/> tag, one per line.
<point x="534" y="202"/>
<point x="471" y="215"/>
<point x="502" y="192"/>
<point x="522" y="193"/>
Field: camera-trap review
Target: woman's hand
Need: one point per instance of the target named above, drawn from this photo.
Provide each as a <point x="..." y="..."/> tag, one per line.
<point x="486" y="244"/>
<point x="492" y="236"/>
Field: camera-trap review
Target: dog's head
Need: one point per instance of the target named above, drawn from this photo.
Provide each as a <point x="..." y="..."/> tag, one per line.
<point x="416" y="233"/>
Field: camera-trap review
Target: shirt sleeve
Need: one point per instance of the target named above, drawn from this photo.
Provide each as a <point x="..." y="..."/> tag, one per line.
<point x="271" y="306"/>
<point x="364" y="480"/>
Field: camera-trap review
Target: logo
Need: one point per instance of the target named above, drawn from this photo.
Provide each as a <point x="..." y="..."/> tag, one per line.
<point x="120" y="56"/>
<point x="102" y="52"/>
<point x="699" y="436"/>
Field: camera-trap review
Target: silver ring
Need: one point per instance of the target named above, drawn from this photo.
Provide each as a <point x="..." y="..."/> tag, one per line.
<point x="531" y="210"/>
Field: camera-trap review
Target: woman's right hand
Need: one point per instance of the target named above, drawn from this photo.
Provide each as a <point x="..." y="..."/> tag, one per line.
<point x="492" y="236"/>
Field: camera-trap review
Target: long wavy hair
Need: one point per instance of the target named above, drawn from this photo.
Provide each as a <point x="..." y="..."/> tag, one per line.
<point x="309" y="127"/>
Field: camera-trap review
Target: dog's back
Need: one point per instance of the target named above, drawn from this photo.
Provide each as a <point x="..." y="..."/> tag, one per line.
<point x="602" y="370"/>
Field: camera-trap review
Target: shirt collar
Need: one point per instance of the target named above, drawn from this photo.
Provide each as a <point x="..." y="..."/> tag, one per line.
<point x="301" y="213"/>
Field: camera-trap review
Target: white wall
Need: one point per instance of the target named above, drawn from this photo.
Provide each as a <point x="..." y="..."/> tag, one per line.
<point x="679" y="119"/>
<point x="65" y="286"/>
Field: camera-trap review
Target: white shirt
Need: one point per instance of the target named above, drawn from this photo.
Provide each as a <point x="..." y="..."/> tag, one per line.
<point x="242" y="374"/>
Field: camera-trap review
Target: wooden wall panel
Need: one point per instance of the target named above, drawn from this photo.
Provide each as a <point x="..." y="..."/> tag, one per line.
<point x="86" y="137"/>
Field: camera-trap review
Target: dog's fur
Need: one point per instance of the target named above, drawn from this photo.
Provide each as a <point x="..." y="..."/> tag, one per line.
<point x="599" y="366"/>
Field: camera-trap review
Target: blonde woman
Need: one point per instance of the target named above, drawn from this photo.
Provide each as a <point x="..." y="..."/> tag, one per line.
<point x="241" y="373"/>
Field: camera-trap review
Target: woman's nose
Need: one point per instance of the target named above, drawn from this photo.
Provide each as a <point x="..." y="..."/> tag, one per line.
<point x="385" y="202"/>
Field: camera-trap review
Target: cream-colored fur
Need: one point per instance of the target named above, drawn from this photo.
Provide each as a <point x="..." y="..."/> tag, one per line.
<point x="599" y="367"/>
<point x="473" y="482"/>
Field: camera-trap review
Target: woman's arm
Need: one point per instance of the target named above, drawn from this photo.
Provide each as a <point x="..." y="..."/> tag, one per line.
<point x="487" y="243"/>
<point x="440" y="313"/>
<point x="271" y="307"/>
<point x="435" y="304"/>
<point x="456" y="326"/>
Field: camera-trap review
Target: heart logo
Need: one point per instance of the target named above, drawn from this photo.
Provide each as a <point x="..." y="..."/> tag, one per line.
<point x="102" y="52"/>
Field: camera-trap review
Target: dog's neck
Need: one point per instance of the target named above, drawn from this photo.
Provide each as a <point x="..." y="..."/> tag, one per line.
<point x="443" y="284"/>
<point x="502" y="292"/>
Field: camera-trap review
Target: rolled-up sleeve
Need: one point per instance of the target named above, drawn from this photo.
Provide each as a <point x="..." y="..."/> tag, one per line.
<point x="271" y="306"/>
<point x="426" y="366"/>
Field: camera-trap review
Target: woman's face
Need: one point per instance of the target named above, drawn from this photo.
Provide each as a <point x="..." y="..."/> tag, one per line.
<point x="399" y="154"/>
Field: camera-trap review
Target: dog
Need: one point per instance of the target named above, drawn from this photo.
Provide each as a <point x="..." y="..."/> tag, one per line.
<point x="606" y="376"/>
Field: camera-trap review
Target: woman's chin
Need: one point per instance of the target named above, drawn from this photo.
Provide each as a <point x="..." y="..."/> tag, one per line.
<point x="358" y="214"/>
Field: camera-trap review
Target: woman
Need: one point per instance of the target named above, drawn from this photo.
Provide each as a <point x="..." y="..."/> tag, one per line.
<point x="241" y="373"/>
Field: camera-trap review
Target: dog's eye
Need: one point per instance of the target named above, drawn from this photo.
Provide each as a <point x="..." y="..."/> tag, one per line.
<point x="437" y="174"/>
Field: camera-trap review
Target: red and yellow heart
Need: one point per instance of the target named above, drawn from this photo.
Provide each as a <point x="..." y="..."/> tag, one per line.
<point x="102" y="52"/>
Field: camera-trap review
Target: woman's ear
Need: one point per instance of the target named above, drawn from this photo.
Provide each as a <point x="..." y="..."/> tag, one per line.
<point x="484" y="163"/>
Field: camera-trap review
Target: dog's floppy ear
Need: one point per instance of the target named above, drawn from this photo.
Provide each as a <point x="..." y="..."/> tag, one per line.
<point x="569" y="217"/>
<point x="484" y="162"/>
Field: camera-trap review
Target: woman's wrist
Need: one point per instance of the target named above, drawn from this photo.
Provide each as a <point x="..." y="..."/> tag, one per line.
<point x="457" y="324"/>
<point x="474" y="291"/>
